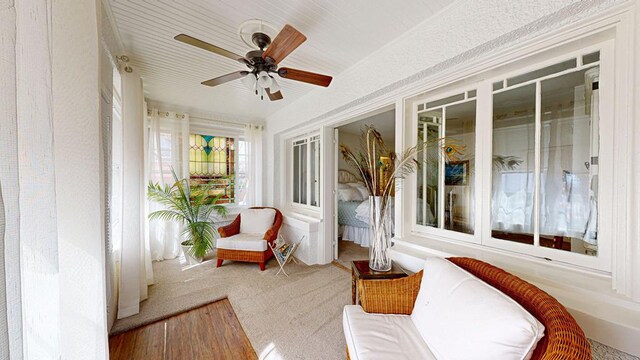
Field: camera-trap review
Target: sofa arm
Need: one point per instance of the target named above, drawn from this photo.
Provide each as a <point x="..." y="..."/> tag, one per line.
<point x="393" y="296"/>
<point x="231" y="229"/>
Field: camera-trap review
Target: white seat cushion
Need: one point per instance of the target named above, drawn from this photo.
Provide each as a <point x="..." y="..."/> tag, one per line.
<point x="382" y="336"/>
<point x="461" y="317"/>
<point x="256" y="221"/>
<point x="246" y="242"/>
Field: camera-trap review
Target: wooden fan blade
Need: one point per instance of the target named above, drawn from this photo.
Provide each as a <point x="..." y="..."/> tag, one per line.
<point x="274" y="96"/>
<point x="287" y="40"/>
<point x="305" y="76"/>
<point x="209" y="47"/>
<point x="225" y="78"/>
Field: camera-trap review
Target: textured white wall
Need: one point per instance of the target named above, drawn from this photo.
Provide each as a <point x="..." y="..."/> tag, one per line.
<point x="458" y="34"/>
<point x="78" y="179"/>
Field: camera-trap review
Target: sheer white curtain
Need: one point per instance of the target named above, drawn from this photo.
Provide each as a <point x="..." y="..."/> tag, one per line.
<point x="168" y="148"/>
<point x="253" y="139"/>
<point x="135" y="271"/>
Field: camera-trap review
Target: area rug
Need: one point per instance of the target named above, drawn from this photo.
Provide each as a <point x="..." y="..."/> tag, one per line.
<point x="295" y="317"/>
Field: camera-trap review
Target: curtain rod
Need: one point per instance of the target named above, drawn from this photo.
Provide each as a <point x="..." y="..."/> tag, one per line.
<point x="181" y="116"/>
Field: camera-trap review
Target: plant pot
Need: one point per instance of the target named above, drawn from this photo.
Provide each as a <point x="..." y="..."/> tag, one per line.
<point x="379" y="256"/>
<point x="191" y="260"/>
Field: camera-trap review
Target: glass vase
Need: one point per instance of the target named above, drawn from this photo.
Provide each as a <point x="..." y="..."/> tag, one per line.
<point x="379" y="257"/>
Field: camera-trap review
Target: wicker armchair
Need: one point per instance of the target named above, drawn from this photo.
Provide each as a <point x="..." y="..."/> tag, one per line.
<point x="244" y="255"/>
<point x="563" y="339"/>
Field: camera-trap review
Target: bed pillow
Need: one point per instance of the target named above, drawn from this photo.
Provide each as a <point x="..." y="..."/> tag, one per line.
<point x="349" y="195"/>
<point x="343" y="186"/>
<point x="363" y="192"/>
<point x="362" y="188"/>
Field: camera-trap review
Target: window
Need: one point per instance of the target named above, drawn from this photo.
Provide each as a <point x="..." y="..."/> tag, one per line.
<point x="446" y="190"/>
<point x="527" y="180"/>
<point x="547" y="122"/>
<point x="212" y="162"/>
<point x="306" y="171"/>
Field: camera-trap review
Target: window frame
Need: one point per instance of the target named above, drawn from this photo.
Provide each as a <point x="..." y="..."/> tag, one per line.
<point x="482" y="82"/>
<point x="291" y="143"/>
<point x="426" y="230"/>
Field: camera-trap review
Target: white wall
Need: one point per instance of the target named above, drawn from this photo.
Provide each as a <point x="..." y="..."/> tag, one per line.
<point x="353" y="142"/>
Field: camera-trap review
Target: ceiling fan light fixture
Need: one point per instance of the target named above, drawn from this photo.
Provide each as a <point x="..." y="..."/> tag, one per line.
<point x="274" y="88"/>
<point x="264" y="80"/>
<point x="249" y="81"/>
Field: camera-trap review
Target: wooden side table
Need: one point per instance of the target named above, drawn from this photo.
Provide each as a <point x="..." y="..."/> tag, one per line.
<point x="360" y="270"/>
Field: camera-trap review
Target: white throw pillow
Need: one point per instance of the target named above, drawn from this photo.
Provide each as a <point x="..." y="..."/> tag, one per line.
<point x="343" y="186"/>
<point x="349" y="195"/>
<point x="363" y="192"/>
<point x="256" y="221"/>
<point x="461" y="317"/>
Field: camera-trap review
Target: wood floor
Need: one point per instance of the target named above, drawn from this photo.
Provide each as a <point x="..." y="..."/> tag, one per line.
<point x="208" y="332"/>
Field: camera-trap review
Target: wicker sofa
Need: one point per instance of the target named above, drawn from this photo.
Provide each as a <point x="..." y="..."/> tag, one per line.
<point x="563" y="338"/>
<point x="255" y="248"/>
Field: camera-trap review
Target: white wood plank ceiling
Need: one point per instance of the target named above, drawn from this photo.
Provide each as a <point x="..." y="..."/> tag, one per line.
<point x="340" y="33"/>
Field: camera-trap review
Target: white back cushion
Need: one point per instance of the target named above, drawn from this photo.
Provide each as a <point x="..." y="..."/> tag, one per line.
<point x="256" y="221"/>
<point x="461" y="317"/>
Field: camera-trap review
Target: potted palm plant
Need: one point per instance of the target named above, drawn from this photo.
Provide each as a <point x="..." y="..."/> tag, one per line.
<point x="368" y="160"/>
<point x="191" y="207"/>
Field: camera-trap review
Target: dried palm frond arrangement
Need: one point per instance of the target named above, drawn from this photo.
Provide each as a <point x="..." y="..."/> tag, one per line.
<point x="372" y="148"/>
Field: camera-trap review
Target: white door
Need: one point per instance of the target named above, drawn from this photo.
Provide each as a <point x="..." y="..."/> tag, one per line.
<point x="336" y="159"/>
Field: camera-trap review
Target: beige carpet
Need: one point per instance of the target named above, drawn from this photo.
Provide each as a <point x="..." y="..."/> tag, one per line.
<point x="295" y="317"/>
<point x="349" y="251"/>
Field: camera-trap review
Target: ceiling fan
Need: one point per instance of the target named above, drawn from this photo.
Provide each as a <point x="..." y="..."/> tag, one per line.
<point x="263" y="63"/>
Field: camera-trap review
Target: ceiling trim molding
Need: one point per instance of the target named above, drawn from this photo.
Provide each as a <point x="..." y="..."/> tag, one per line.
<point x="114" y="26"/>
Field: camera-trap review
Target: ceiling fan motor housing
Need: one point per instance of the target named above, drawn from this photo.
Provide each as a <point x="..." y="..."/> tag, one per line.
<point x="259" y="64"/>
<point x="261" y="40"/>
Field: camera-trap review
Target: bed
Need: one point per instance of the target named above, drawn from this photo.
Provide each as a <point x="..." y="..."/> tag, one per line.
<point x="353" y="210"/>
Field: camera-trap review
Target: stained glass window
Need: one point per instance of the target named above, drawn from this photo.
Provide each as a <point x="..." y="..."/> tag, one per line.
<point x="211" y="161"/>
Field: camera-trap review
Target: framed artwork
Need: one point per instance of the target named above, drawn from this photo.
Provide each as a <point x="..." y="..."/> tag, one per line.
<point x="456" y="173"/>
